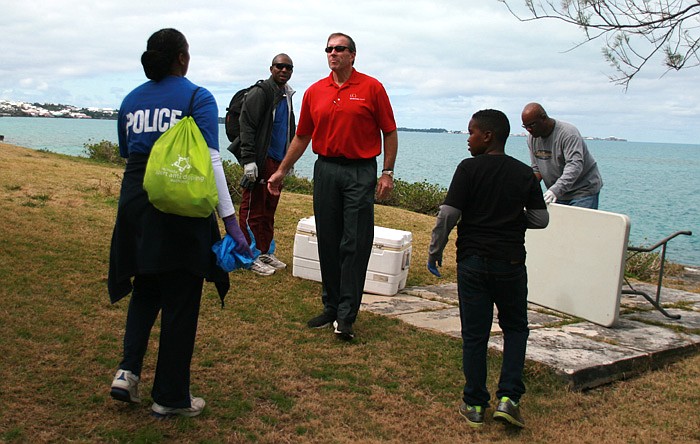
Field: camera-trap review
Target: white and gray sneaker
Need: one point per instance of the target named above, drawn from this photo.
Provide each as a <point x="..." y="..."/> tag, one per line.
<point x="125" y="387"/>
<point x="261" y="268"/>
<point x="272" y="261"/>
<point x="196" y="407"/>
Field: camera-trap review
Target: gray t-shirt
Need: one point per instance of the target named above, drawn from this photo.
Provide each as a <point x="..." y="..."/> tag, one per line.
<point x="567" y="167"/>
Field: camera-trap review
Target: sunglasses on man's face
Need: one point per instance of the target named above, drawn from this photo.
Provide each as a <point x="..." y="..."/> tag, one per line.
<point x="281" y="66"/>
<point x="339" y="48"/>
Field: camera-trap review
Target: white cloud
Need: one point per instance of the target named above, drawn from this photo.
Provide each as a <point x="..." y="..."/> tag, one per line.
<point x="440" y="61"/>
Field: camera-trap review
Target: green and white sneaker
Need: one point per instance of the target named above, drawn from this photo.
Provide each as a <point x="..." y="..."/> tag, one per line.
<point x="474" y="414"/>
<point x="508" y="412"/>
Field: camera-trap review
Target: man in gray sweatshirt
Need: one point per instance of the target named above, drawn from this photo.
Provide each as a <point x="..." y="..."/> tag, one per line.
<point x="561" y="158"/>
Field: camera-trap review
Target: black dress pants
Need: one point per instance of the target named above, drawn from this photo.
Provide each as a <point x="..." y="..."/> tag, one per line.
<point x="177" y="296"/>
<point x="344" y="213"/>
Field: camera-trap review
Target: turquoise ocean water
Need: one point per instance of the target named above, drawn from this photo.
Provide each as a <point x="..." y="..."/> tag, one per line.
<point x="657" y="185"/>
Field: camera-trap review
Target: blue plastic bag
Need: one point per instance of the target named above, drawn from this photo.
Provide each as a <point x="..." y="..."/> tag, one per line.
<point x="227" y="258"/>
<point x="254" y="249"/>
<point x="253" y="246"/>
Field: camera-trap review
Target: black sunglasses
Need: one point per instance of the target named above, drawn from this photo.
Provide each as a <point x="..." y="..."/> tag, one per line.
<point x="281" y="66"/>
<point x="339" y="48"/>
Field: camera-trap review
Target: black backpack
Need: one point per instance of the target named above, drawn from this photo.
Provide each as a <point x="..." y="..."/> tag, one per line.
<point x="233" y="113"/>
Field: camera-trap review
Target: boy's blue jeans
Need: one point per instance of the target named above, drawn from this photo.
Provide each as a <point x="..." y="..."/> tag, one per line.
<point x="483" y="282"/>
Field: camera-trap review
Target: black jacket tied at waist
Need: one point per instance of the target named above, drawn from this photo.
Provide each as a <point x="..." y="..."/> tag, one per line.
<point x="148" y="241"/>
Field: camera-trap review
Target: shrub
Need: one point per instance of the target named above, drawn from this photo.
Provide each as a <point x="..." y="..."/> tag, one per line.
<point x="419" y="197"/>
<point x="233" y="172"/>
<point x="299" y="185"/>
<point x="645" y="266"/>
<point x="104" y="151"/>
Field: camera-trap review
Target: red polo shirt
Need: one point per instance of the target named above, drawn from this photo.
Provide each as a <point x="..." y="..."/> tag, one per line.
<point x="348" y="120"/>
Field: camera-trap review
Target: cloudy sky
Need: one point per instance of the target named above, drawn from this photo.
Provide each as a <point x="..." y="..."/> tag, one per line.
<point x="440" y="60"/>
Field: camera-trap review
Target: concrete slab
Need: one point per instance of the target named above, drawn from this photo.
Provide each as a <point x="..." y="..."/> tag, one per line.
<point x="587" y="355"/>
<point x="582" y="353"/>
<point x="539" y="320"/>
<point x="636" y="336"/>
<point x="689" y="321"/>
<point x="634" y="302"/>
<point x="445" y="293"/>
<point x="399" y="304"/>
<point x="580" y="361"/>
<point x="668" y="295"/>
<point x="444" y="321"/>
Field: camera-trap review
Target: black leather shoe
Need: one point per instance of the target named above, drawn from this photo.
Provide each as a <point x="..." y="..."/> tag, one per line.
<point x="343" y="330"/>
<point x="320" y="321"/>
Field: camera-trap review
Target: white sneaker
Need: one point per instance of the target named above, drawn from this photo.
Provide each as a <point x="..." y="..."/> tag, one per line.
<point x="261" y="268"/>
<point x="196" y="407"/>
<point x="272" y="261"/>
<point x="125" y="387"/>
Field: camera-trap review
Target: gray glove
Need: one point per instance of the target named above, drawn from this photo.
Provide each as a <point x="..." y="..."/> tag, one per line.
<point x="250" y="171"/>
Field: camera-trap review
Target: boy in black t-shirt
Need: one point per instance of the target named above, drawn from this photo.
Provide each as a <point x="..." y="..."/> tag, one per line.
<point x="495" y="198"/>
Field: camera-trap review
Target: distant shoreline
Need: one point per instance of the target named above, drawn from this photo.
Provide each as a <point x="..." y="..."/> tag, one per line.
<point x="10" y="108"/>
<point x="105" y="115"/>
<point x="51" y="111"/>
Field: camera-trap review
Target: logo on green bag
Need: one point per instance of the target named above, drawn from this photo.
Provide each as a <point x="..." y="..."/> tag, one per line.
<point x="182" y="164"/>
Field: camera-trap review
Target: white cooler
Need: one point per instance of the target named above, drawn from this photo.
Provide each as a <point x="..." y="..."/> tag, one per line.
<point x="388" y="265"/>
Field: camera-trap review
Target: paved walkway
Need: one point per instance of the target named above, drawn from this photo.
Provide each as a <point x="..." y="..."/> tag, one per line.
<point x="584" y="354"/>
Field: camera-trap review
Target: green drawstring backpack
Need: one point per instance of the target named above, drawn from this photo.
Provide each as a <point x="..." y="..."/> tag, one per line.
<point x="179" y="176"/>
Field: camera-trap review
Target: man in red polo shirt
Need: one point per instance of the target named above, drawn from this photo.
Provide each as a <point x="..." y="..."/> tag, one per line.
<point x="348" y="115"/>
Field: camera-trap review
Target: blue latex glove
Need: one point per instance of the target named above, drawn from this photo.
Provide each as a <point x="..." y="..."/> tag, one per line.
<point x="432" y="267"/>
<point x="233" y="230"/>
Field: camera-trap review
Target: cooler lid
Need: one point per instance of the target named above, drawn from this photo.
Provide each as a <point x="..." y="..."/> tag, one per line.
<point x="307" y="225"/>
<point x="383" y="237"/>
<point x="391" y="238"/>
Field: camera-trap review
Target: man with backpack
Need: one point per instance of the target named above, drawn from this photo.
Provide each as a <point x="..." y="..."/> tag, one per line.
<point x="266" y="128"/>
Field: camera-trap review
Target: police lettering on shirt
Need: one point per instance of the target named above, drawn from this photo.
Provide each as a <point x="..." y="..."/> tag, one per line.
<point x="160" y="120"/>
